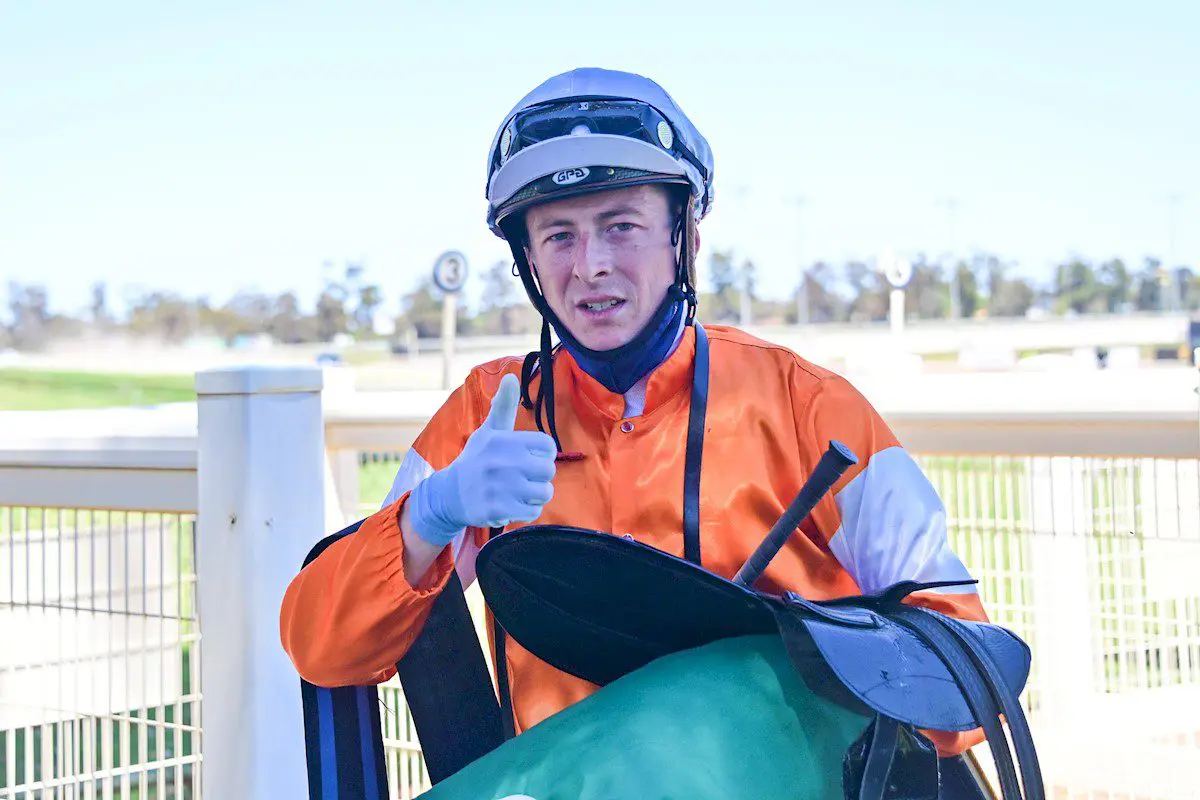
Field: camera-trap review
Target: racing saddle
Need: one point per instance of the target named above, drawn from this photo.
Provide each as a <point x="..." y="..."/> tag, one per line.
<point x="599" y="607"/>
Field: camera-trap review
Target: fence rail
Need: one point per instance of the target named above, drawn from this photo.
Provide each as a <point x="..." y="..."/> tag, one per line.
<point x="1080" y="517"/>
<point x="99" y="676"/>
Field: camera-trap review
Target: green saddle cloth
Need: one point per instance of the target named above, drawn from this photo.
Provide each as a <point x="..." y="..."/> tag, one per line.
<point x="728" y="720"/>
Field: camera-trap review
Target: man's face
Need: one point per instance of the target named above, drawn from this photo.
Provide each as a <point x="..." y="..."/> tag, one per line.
<point x="604" y="260"/>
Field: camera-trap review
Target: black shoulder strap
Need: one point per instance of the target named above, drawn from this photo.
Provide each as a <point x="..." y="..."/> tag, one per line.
<point x="448" y="689"/>
<point x="508" y="721"/>
<point x="695" y="450"/>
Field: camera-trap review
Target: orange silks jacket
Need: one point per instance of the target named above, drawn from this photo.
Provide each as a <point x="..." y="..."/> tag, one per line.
<point x="350" y="614"/>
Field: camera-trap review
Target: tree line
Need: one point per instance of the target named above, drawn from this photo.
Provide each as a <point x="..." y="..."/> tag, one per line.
<point x="350" y="306"/>
<point x="982" y="286"/>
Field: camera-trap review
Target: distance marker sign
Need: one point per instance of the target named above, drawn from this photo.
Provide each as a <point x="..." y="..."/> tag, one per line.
<point x="450" y="271"/>
<point x="897" y="270"/>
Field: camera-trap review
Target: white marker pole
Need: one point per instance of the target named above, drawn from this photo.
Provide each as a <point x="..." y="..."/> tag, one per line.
<point x="449" y="312"/>
<point x="898" y="272"/>
<point x="449" y="275"/>
<point x="896" y="312"/>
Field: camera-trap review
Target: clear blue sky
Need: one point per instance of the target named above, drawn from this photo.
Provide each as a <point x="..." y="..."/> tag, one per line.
<point x="238" y="145"/>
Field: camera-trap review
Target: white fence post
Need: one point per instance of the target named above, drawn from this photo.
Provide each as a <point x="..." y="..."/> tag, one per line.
<point x="261" y="508"/>
<point x="343" y="479"/>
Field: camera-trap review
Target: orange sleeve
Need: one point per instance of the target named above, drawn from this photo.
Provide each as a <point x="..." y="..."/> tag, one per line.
<point x="828" y="408"/>
<point x="350" y="615"/>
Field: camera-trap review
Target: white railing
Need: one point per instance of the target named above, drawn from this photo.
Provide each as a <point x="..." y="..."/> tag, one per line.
<point x="125" y="533"/>
<point x="1134" y="413"/>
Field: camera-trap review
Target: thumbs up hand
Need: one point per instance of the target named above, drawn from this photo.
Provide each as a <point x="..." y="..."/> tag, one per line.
<point x="501" y="476"/>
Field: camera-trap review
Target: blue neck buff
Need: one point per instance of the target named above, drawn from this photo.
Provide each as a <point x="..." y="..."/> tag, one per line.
<point x="620" y="368"/>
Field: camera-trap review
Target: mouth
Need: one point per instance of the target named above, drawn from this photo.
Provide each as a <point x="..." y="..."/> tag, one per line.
<point x="600" y="307"/>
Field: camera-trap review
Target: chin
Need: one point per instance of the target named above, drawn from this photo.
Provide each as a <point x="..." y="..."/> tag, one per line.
<point x="604" y="339"/>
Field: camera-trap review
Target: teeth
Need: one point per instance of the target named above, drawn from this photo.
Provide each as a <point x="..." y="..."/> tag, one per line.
<point x="601" y="306"/>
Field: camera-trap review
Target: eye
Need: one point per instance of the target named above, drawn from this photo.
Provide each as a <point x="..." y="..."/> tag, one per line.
<point x="561" y="236"/>
<point x="622" y="227"/>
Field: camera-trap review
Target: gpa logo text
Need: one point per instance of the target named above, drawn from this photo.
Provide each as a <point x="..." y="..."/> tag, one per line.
<point x="573" y="175"/>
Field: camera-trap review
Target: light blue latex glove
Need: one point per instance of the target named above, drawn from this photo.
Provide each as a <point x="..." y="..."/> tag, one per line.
<point x="501" y="476"/>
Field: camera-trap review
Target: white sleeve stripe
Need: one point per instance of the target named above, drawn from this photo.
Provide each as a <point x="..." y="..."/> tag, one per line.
<point x="414" y="469"/>
<point x="894" y="527"/>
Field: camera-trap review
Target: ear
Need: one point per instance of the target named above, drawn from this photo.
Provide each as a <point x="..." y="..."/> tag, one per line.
<point x="529" y="261"/>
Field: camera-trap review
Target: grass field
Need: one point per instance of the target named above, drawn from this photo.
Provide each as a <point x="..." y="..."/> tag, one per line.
<point x="27" y="390"/>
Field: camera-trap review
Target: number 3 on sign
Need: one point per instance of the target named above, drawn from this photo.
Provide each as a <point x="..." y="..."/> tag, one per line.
<point x="450" y="271"/>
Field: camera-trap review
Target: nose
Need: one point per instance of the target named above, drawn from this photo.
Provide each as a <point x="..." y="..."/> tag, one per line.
<point x="594" y="259"/>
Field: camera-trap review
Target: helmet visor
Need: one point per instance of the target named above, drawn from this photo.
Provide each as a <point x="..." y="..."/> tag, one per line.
<point x="582" y="116"/>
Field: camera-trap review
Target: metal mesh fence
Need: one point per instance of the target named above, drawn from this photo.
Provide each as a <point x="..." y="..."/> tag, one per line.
<point x="1093" y="561"/>
<point x="407" y="776"/>
<point x="99" y="665"/>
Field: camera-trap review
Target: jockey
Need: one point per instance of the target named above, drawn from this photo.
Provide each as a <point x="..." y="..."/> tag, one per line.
<point x="597" y="180"/>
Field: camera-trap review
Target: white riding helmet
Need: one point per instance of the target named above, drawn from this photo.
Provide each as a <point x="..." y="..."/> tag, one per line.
<point x="589" y="130"/>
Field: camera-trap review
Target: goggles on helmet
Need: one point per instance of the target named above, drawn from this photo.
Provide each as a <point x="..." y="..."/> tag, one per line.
<point x="584" y="116"/>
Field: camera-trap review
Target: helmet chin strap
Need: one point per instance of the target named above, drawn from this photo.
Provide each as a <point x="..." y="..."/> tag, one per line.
<point x="658" y="325"/>
<point x="619" y="368"/>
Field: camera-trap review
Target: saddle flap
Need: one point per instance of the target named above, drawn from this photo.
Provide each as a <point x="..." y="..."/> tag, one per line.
<point x="892" y="670"/>
<point x="1011" y="653"/>
<point x="598" y="606"/>
<point x="853" y="616"/>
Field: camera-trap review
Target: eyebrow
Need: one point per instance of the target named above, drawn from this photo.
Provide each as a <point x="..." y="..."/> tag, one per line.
<point x="619" y="211"/>
<point x="603" y="215"/>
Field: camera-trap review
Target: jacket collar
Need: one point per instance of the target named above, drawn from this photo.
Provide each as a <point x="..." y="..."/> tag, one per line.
<point x="664" y="381"/>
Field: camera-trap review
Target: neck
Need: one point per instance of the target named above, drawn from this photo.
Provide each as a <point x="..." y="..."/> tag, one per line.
<point x="619" y="369"/>
<point x="635" y="398"/>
